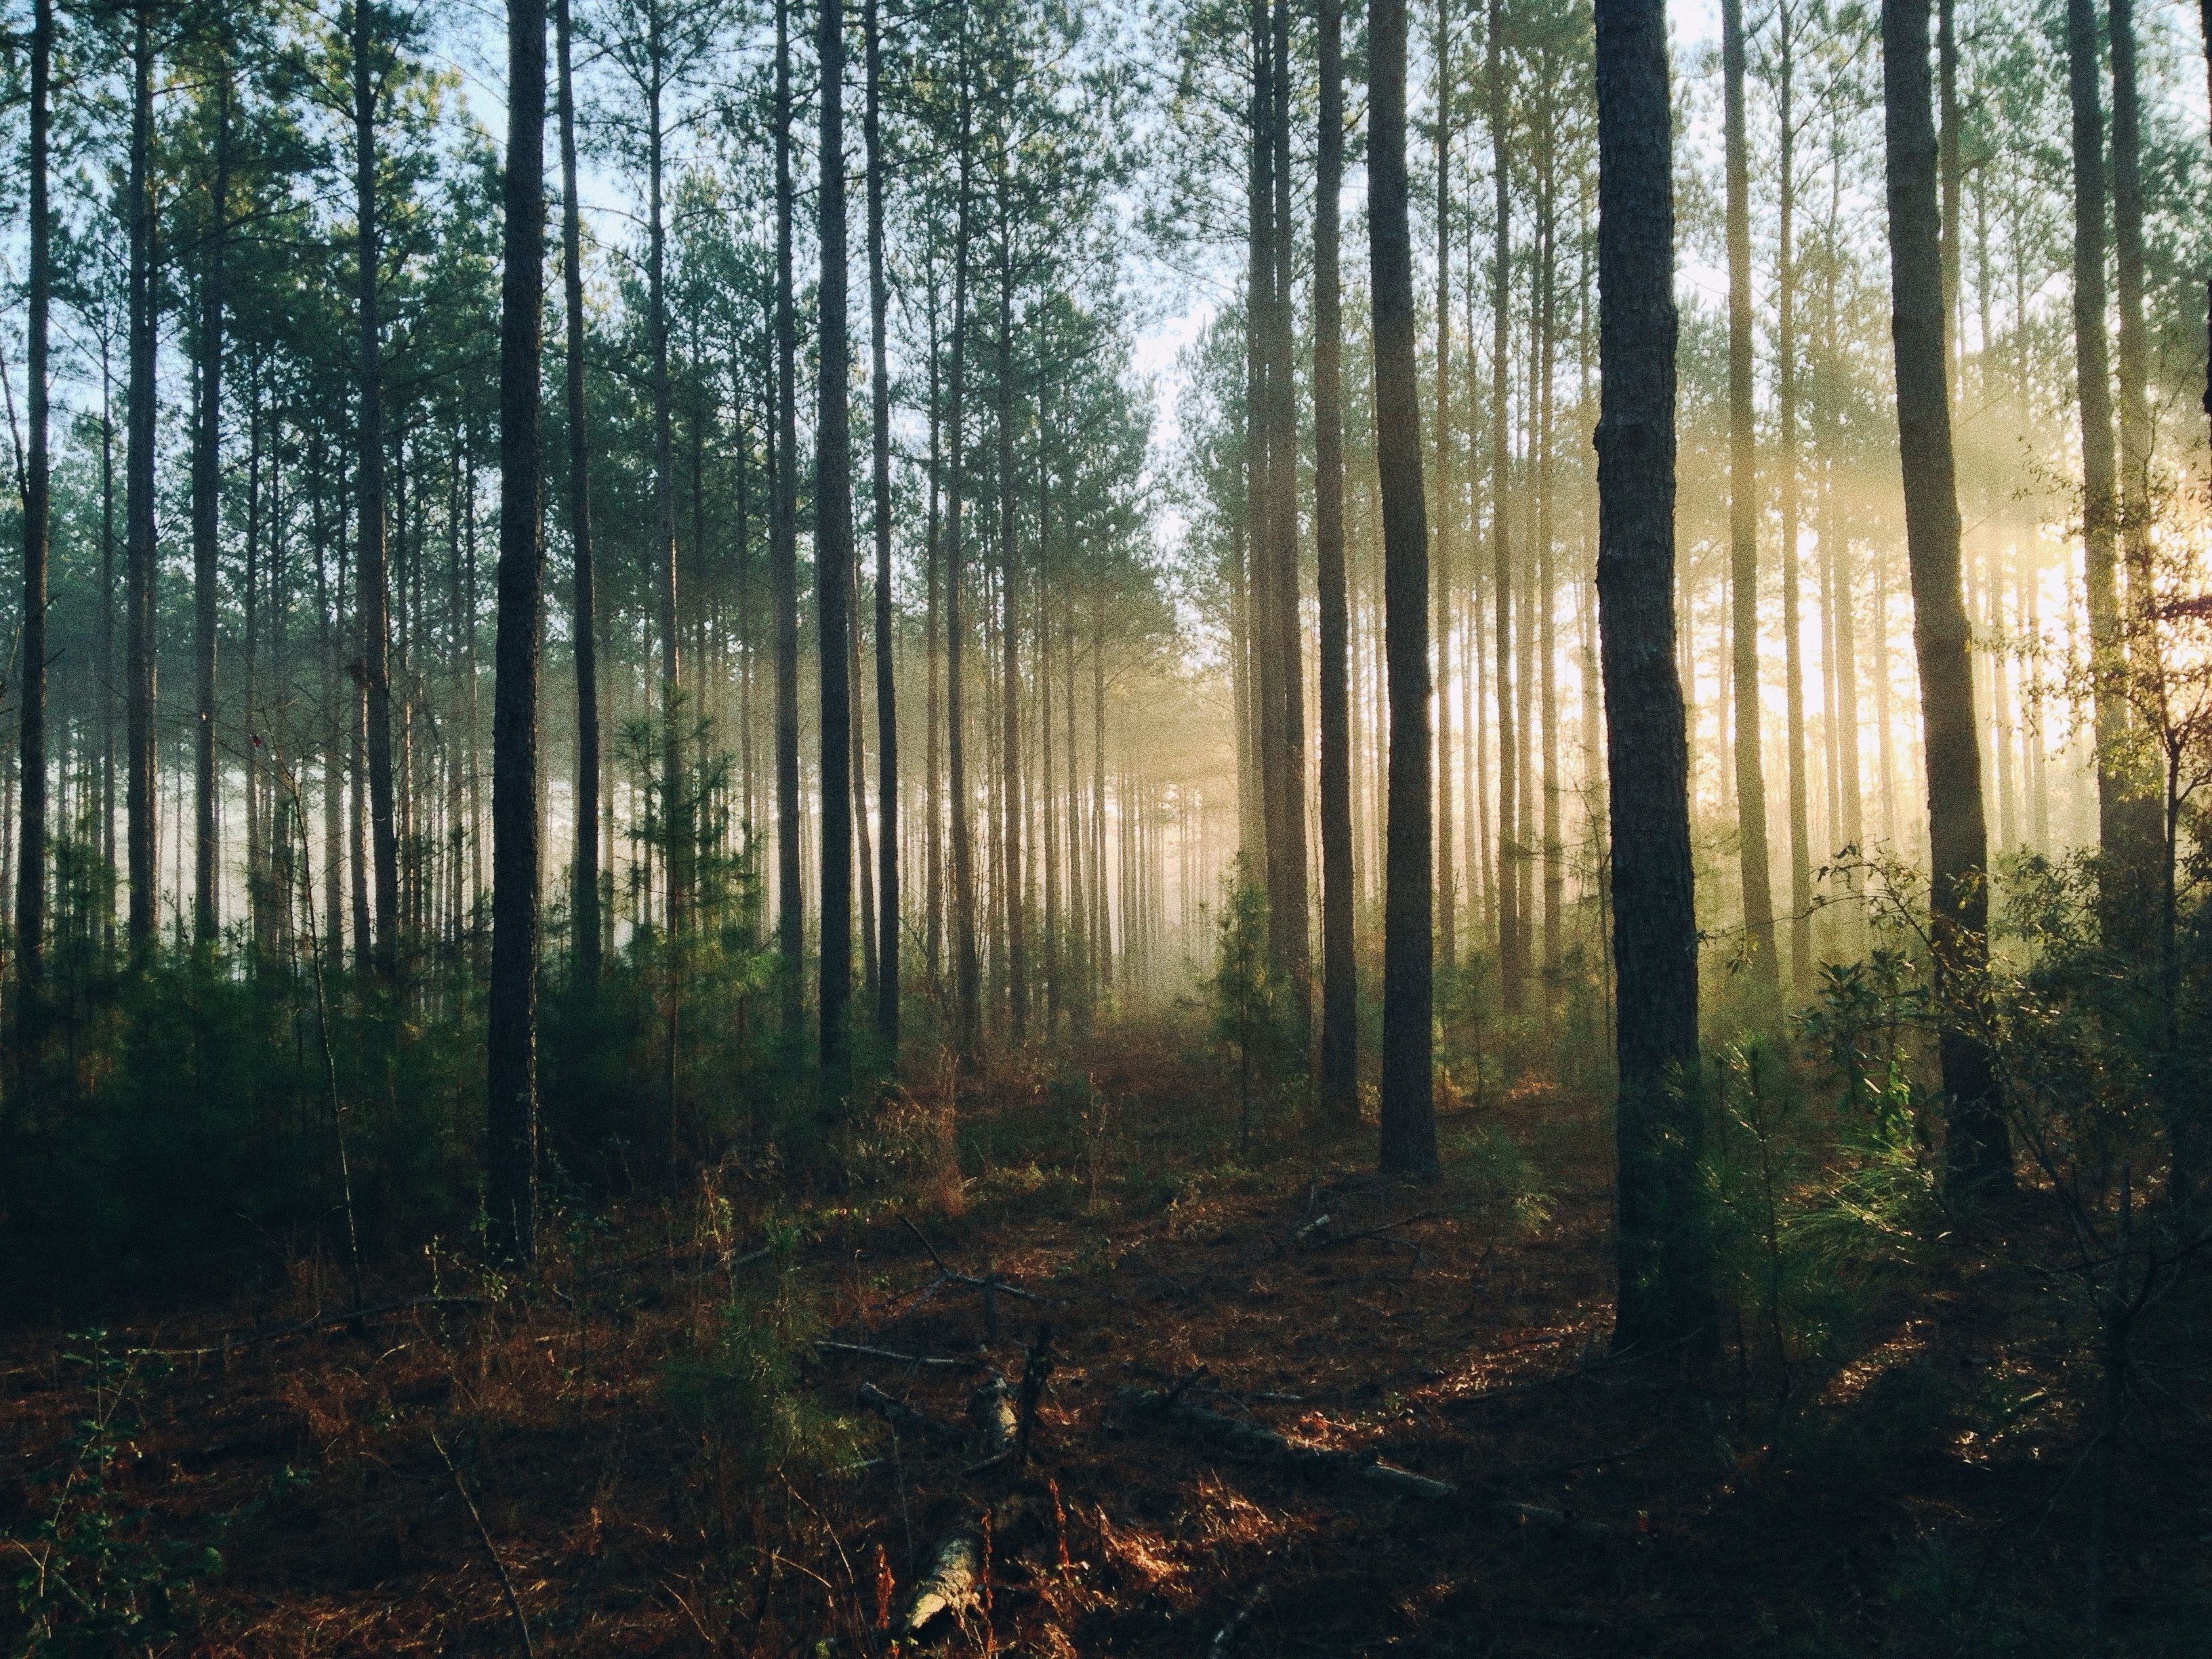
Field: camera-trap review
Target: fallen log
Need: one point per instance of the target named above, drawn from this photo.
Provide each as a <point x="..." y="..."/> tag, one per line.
<point x="991" y="1409"/>
<point x="953" y="1584"/>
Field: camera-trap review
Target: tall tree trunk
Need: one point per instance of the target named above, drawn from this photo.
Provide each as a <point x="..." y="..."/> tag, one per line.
<point x="1743" y="533"/>
<point x="1447" y="873"/>
<point x="2148" y="844"/>
<point x="879" y="391"/>
<point x="207" y="510"/>
<point x="2121" y="901"/>
<point x="1665" y="1292"/>
<point x="374" y="602"/>
<point x="1793" y="647"/>
<point x="1408" y="1127"/>
<point x="510" y="1038"/>
<point x="1264" y="666"/>
<point x="968" y="1021"/>
<point x="1512" y="946"/>
<point x="138" y="504"/>
<point x="675" y="817"/>
<point x="583" y="628"/>
<point x="1546" y="595"/>
<point x="1015" y="867"/>
<point x="1340" y="1005"/>
<point x="833" y="570"/>
<point x="1288" y="894"/>
<point x="783" y="557"/>
<point x="31" y="847"/>
<point x="1976" y="1153"/>
<point x="932" y="778"/>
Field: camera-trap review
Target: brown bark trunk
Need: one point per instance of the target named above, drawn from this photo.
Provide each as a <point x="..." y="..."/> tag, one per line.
<point x="1665" y="1292"/>
<point x="1976" y="1153"/>
<point x="1408" y="1127"/>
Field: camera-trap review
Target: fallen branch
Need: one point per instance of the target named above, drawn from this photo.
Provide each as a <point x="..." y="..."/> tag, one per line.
<point x="989" y="1283"/>
<point x="860" y="1351"/>
<point x="1333" y="1240"/>
<point x="905" y="1419"/>
<point x="505" y="1583"/>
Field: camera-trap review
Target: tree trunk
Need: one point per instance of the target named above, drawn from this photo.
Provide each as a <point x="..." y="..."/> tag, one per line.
<point x="31" y="846"/>
<point x="2120" y="909"/>
<point x="1288" y="898"/>
<point x="583" y="629"/>
<point x="1793" y="661"/>
<point x="1976" y="1153"/>
<point x="879" y="388"/>
<point x="783" y="558"/>
<point x="1512" y="947"/>
<point x="1014" y="867"/>
<point x="511" y="1038"/>
<point x="138" y="505"/>
<point x="968" y="1020"/>
<point x="1743" y="534"/>
<point x="1409" y="1136"/>
<point x="373" y="601"/>
<point x="1665" y="1292"/>
<point x="833" y="570"/>
<point x="207" y="510"/>
<point x="1339" y="1005"/>
<point x="1447" y="882"/>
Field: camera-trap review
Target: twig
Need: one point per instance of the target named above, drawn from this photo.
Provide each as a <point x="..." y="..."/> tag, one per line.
<point x="986" y="1283"/>
<point x="860" y="1351"/>
<point x="505" y="1583"/>
<point x="1334" y="1239"/>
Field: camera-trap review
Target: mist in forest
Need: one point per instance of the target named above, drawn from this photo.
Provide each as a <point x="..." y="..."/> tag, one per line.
<point x="1359" y="776"/>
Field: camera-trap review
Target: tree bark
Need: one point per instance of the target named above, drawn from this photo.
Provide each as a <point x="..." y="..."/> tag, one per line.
<point x="1014" y="886"/>
<point x="373" y="601"/>
<point x="1340" y="1024"/>
<point x="207" y="509"/>
<point x="2119" y="909"/>
<point x="1447" y="872"/>
<point x="584" y="607"/>
<point x="1512" y="946"/>
<point x="511" y="1038"/>
<point x="1408" y="1127"/>
<point x="1792" y="664"/>
<point x="1977" y="1153"/>
<point x="879" y="389"/>
<point x="968" y="1021"/>
<point x="138" y="502"/>
<point x="833" y="570"/>
<point x="1665" y="1292"/>
<point x="1743" y="535"/>
<point x="783" y="558"/>
<point x="31" y="844"/>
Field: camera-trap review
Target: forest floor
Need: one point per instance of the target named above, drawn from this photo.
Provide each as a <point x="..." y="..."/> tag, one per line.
<point x="644" y="1448"/>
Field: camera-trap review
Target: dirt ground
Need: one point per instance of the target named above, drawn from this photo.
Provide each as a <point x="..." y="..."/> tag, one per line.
<point x="578" y="1455"/>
